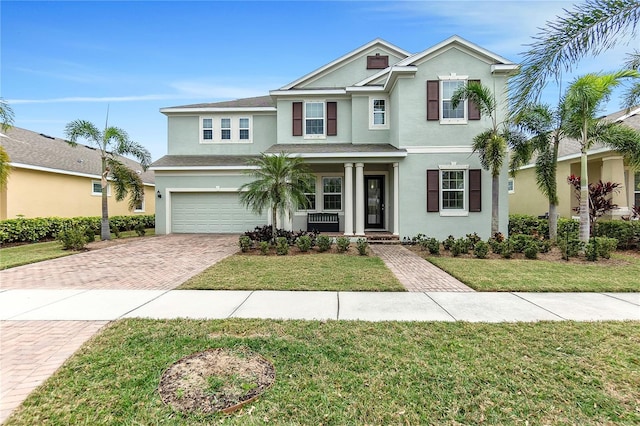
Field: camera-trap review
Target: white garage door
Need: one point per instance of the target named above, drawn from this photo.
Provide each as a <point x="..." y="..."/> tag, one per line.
<point x="211" y="212"/>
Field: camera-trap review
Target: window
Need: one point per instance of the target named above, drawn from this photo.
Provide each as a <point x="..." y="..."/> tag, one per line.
<point x="511" y="186"/>
<point x="448" y="112"/>
<point x="244" y="129"/>
<point x="636" y="190"/>
<point x="207" y="129"/>
<point x="225" y="128"/>
<point x="139" y="206"/>
<point x="453" y="189"/>
<point x="314" y="119"/>
<point x="96" y="188"/>
<point x="332" y="193"/>
<point x="378" y="108"/>
<point x="311" y="196"/>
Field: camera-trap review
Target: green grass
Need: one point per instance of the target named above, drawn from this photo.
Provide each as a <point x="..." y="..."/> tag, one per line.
<point x="320" y="272"/>
<point x="350" y="372"/>
<point x="10" y="257"/>
<point x="543" y="276"/>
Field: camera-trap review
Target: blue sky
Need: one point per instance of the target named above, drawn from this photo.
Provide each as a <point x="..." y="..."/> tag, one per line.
<point x="62" y="61"/>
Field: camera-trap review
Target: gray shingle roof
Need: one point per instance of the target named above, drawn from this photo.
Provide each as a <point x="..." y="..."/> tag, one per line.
<point x="259" y="101"/>
<point x="34" y="149"/>
<point x="332" y="148"/>
<point x="201" y="161"/>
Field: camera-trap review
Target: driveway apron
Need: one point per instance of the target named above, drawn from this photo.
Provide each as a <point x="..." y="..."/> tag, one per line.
<point x="30" y="351"/>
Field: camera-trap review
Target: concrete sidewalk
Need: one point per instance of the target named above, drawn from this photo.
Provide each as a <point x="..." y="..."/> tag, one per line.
<point x="107" y="305"/>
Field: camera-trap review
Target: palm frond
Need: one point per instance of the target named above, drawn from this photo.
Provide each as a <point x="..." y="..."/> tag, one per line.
<point x="82" y="129"/>
<point x="589" y="29"/>
<point x="545" y="171"/>
<point x="126" y="182"/>
<point x="623" y="139"/>
<point x="6" y="115"/>
<point x="491" y="148"/>
<point x="477" y="93"/>
<point x="631" y="97"/>
<point x="5" y="168"/>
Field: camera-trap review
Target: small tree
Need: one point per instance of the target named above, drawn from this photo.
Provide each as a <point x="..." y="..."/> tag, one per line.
<point x="280" y="184"/>
<point x="600" y="198"/>
<point x="112" y="143"/>
<point x="6" y="121"/>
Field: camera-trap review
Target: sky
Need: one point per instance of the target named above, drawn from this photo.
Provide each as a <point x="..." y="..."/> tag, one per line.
<point x="63" y="61"/>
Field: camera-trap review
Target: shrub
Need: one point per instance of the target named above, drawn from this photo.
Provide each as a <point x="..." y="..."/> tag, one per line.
<point x="282" y="246"/>
<point x="73" y="238"/>
<point x="472" y="239"/>
<point x="528" y="225"/>
<point x="245" y="243"/>
<point x="496" y="245"/>
<point x="570" y="248"/>
<point x="361" y="245"/>
<point x="343" y="244"/>
<point x="448" y="243"/>
<point x="520" y="242"/>
<point x="506" y="249"/>
<point x="460" y="246"/>
<point x="433" y="245"/>
<point x="304" y="243"/>
<point x="591" y="250"/>
<point x="324" y="243"/>
<point x="626" y="232"/>
<point x="140" y="231"/>
<point x="481" y="250"/>
<point x="264" y="247"/>
<point x="531" y="250"/>
<point x="90" y="234"/>
<point x="606" y="246"/>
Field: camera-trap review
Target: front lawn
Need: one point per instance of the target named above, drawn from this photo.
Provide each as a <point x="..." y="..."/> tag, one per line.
<point x="311" y="271"/>
<point x="351" y="372"/>
<point x="620" y="274"/>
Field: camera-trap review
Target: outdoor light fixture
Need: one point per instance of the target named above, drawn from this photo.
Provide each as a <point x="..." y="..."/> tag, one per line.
<point x="159" y="194"/>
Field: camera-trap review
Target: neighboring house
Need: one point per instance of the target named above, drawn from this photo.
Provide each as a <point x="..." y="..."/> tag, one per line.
<point x="603" y="164"/>
<point x="51" y="178"/>
<point x="377" y="129"/>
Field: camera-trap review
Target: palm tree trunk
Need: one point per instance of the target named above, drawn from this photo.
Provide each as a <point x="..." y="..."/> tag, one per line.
<point x="105" y="231"/>
<point x="553" y="222"/>
<point x="274" y="218"/>
<point x="584" y="198"/>
<point x="495" y="204"/>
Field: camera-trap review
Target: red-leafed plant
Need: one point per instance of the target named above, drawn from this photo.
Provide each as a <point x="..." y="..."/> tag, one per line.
<point x="600" y="197"/>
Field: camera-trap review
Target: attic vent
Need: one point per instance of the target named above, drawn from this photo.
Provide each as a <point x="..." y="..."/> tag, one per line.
<point x="377" y="62"/>
<point x="46" y="136"/>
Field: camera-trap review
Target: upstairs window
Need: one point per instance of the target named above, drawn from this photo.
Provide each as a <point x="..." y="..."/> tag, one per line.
<point x="439" y="106"/>
<point x="244" y="129"/>
<point x="378" y="113"/>
<point x="225" y="128"/>
<point x="448" y="112"/>
<point x="207" y="129"/>
<point x="314" y="119"/>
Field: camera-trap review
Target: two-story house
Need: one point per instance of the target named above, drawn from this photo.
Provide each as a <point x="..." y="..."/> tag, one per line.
<point x="378" y="130"/>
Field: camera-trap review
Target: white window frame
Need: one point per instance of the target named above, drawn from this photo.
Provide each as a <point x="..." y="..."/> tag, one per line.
<point x="99" y="183"/>
<point x="372" y="112"/>
<point x="324" y="208"/>
<point x="324" y="120"/>
<point x="142" y="207"/>
<point x="240" y="128"/>
<point x="216" y="120"/>
<point x="223" y="128"/>
<point x="315" y="194"/>
<point x="453" y="77"/>
<point x="464" y="211"/>
<point x="511" y="185"/>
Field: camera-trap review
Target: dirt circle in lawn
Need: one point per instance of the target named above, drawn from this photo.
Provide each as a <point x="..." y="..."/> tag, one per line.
<point x="216" y="380"/>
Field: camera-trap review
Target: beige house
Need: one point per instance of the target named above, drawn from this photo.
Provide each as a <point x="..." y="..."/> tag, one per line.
<point x="51" y="178"/>
<point x="603" y="164"/>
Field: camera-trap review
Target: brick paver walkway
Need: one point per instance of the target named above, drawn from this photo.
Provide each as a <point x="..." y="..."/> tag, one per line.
<point x="31" y="351"/>
<point x="161" y="262"/>
<point x="415" y="273"/>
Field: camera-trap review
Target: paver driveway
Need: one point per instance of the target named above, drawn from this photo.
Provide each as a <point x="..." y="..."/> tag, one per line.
<point x="31" y="351"/>
<point x="154" y="263"/>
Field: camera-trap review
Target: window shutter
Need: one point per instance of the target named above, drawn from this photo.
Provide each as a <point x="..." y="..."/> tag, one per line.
<point x="433" y="190"/>
<point x="475" y="190"/>
<point x="473" y="112"/>
<point x="433" y="100"/>
<point x="332" y="118"/>
<point x="297" y="118"/>
<point x="377" y="62"/>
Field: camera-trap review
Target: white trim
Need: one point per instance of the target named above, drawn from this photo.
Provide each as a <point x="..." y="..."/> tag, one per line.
<point x="322" y="135"/>
<point x="218" y="109"/>
<point x="504" y="68"/>
<point x="99" y="193"/>
<point x="456" y="149"/>
<point x="629" y="114"/>
<point x="385" y="125"/>
<point x="350" y="155"/>
<point x="216" y="129"/>
<point x="464" y="211"/>
<point x="177" y="168"/>
<point x="307" y="92"/>
<point x="511" y="181"/>
<point x="354" y="89"/>
<point x="450" y="78"/>
<point x="572" y="156"/>
<point x="63" y="172"/>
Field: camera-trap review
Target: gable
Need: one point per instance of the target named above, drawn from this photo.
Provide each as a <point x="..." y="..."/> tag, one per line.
<point x="350" y="68"/>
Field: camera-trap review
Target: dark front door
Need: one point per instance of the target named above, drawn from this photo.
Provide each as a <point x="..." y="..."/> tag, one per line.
<point x="374" y="202"/>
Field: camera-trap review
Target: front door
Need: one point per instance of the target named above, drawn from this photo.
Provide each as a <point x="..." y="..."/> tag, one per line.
<point x="374" y="202"/>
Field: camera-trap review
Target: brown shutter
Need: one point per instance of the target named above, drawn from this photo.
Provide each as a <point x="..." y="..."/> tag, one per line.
<point x="332" y="118"/>
<point x="297" y="118"/>
<point x="377" y="62"/>
<point x="475" y="190"/>
<point x="433" y="100"/>
<point x="433" y="190"/>
<point x="473" y="112"/>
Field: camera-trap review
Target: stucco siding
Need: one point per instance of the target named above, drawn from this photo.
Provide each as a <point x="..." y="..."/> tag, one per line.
<point x="285" y="126"/>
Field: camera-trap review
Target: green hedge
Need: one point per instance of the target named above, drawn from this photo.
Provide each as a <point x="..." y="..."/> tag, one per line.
<point x="45" y="228"/>
<point x="626" y="232"/>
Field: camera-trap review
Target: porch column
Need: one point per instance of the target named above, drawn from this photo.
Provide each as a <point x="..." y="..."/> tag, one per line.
<point x="348" y="198"/>
<point x="613" y="171"/>
<point x="359" y="198"/>
<point x="396" y="199"/>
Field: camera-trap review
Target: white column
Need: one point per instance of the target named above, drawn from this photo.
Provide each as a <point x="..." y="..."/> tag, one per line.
<point x="348" y="198"/>
<point x="359" y="198"/>
<point x="396" y="200"/>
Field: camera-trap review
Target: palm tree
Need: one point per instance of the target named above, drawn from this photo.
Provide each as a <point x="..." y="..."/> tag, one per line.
<point x="6" y="121"/>
<point x="588" y="29"/>
<point x="280" y="184"/>
<point x="544" y="125"/>
<point x="491" y="145"/>
<point x="583" y="100"/>
<point x="112" y="143"/>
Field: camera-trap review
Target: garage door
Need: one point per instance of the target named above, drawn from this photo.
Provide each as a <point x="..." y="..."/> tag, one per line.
<point x="207" y="212"/>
